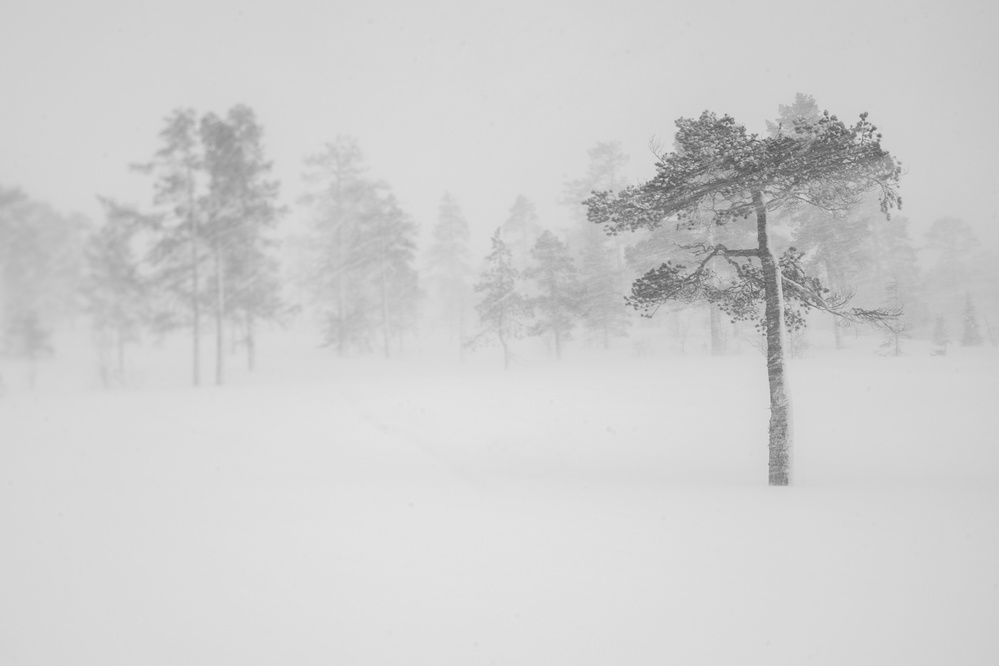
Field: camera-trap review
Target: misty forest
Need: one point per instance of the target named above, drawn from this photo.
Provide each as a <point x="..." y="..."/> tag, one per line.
<point x="245" y="427"/>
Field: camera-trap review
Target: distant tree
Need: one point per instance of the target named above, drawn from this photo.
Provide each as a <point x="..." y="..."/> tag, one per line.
<point x="722" y="174"/>
<point x="940" y="337"/>
<point x="363" y="252"/>
<point x="603" y="309"/>
<point x="521" y="229"/>
<point x="502" y="307"/>
<point x="804" y="109"/>
<point x="241" y="209"/>
<point x="896" y="328"/>
<point x="559" y="297"/>
<point x="388" y="249"/>
<point x="26" y="337"/>
<point x="449" y="268"/>
<point x="178" y="252"/>
<point x="41" y="262"/>
<point x="116" y="292"/>
<point x="953" y="265"/>
<point x="897" y="265"/>
<point x="971" y="335"/>
<point x="602" y="271"/>
<point x="340" y="197"/>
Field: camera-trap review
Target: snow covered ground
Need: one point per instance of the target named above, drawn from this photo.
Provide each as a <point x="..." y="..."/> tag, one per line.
<point x="610" y="510"/>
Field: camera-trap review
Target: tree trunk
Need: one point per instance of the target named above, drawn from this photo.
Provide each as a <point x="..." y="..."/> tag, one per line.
<point x="386" y="333"/>
<point x="120" y="345"/>
<point x="461" y="331"/>
<point x="341" y="291"/>
<point x="506" y="352"/>
<point x="219" y="320"/>
<point x="192" y="222"/>
<point x="251" y="343"/>
<point x="780" y="404"/>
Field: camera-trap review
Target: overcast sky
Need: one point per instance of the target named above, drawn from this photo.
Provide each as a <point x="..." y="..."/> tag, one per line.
<point x="489" y="100"/>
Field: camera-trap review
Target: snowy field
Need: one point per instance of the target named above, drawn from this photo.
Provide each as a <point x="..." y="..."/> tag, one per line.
<point x="602" y="511"/>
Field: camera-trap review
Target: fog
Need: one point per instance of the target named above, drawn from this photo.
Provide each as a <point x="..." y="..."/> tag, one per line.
<point x="309" y="351"/>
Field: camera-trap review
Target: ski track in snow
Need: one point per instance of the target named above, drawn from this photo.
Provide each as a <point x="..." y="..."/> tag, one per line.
<point x="599" y="513"/>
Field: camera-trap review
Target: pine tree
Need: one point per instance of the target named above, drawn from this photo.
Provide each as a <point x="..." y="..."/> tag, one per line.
<point x="604" y="312"/>
<point x="896" y="328"/>
<point x="559" y="293"/>
<point x="25" y="336"/>
<point x="502" y="308"/>
<point x="340" y="198"/>
<point x="448" y="261"/>
<point x="41" y="266"/>
<point x="602" y="271"/>
<point x="363" y="252"/>
<point x="178" y="252"/>
<point x="520" y="230"/>
<point x="971" y="336"/>
<point x="388" y="242"/>
<point x="720" y="167"/>
<point x="241" y="210"/>
<point x="116" y="292"/>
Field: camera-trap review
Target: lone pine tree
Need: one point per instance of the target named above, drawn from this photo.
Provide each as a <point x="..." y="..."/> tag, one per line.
<point x="718" y="175"/>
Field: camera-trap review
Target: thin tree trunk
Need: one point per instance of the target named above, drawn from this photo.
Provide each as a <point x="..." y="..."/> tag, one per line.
<point x="461" y="331"/>
<point x="192" y="222"/>
<point x="120" y="344"/>
<point x="780" y="464"/>
<point x="506" y="352"/>
<point x="219" y="320"/>
<point x="385" y="317"/>
<point x="251" y="342"/>
<point x="341" y="291"/>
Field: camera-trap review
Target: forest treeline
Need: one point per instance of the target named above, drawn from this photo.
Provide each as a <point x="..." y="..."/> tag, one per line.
<point x="206" y="256"/>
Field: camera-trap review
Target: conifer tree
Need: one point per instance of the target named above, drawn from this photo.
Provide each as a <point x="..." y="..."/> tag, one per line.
<point x="896" y="328"/>
<point x="602" y="272"/>
<point x="116" y="291"/>
<point x="178" y="253"/>
<point x="388" y="250"/>
<point x="940" y="337"/>
<point x="449" y="265"/>
<point x="362" y="252"/>
<point x="502" y="308"/>
<point x="520" y="230"/>
<point x="721" y="173"/>
<point x="241" y="210"/>
<point x="25" y="336"/>
<point x="603" y="309"/>
<point x="971" y="336"/>
<point x="557" y="303"/>
<point x="339" y="199"/>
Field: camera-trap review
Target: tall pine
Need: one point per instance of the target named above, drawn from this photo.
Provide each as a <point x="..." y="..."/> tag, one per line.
<point x="559" y="294"/>
<point x="502" y="308"/>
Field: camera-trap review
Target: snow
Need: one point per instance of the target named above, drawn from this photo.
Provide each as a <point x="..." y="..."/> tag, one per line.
<point x="611" y="509"/>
